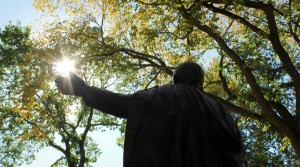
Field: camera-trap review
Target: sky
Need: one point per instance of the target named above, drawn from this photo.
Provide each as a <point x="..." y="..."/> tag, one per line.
<point x="17" y="10"/>
<point x="112" y="155"/>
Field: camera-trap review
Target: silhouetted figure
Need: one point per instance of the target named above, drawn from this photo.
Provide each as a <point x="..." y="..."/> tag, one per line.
<point x="171" y="125"/>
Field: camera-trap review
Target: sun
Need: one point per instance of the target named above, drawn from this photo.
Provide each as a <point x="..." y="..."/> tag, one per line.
<point x="64" y="67"/>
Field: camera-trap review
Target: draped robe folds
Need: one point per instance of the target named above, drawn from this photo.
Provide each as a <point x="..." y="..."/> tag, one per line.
<point x="172" y="126"/>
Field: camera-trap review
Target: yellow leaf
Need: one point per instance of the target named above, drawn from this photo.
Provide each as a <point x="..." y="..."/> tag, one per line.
<point x="46" y="95"/>
<point x="14" y="109"/>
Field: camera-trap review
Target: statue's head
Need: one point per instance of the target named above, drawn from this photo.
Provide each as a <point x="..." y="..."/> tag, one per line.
<point x="189" y="73"/>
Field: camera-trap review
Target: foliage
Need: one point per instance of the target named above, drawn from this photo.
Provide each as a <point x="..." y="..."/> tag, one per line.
<point x="14" y="44"/>
<point x="35" y="114"/>
<point x="257" y="43"/>
<point x="264" y="147"/>
<point x="135" y="44"/>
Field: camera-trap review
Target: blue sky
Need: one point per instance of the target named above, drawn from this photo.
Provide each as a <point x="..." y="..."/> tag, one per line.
<point x="112" y="155"/>
<point x="17" y="10"/>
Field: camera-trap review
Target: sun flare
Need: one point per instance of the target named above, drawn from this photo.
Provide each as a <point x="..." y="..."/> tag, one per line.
<point x="64" y="67"/>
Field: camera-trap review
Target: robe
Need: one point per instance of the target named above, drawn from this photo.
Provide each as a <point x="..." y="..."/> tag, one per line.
<point x="172" y="126"/>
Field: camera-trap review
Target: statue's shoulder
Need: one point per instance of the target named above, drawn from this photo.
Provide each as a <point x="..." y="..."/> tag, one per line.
<point x="145" y="93"/>
<point x="161" y="90"/>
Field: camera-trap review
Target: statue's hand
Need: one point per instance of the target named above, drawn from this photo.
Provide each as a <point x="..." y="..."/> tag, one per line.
<point x="72" y="85"/>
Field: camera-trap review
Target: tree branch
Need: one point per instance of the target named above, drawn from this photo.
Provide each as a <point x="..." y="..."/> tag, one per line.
<point x="283" y="112"/>
<point x="83" y="138"/>
<point x="52" y="144"/>
<point x="283" y="56"/>
<point x="240" y="63"/>
<point x="140" y="56"/>
<point x="147" y="58"/>
<point x="106" y="124"/>
<point x="151" y="4"/>
<point x="155" y="76"/>
<point x="274" y="38"/>
<point x="292" y="32"/>
<point x="236" y="17"/>
<point x="223" y="79"/>
<point x="236" y="109"/>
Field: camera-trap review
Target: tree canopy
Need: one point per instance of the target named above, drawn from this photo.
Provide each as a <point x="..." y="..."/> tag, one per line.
<point x="249" y="49"/>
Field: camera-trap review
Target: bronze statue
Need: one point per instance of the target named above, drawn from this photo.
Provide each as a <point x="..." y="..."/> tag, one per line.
<point x="173" y="125"/>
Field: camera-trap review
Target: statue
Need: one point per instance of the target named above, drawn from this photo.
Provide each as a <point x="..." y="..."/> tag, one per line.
<point x="173" y="125"/>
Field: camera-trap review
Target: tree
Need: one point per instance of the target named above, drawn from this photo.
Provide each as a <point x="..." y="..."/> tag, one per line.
<point x="14" y="42"/>
<point x="34" y="114"/>
<point x="257" y="42"/>
<point x="256" y="73"/>
<point x="263" y="146"/>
